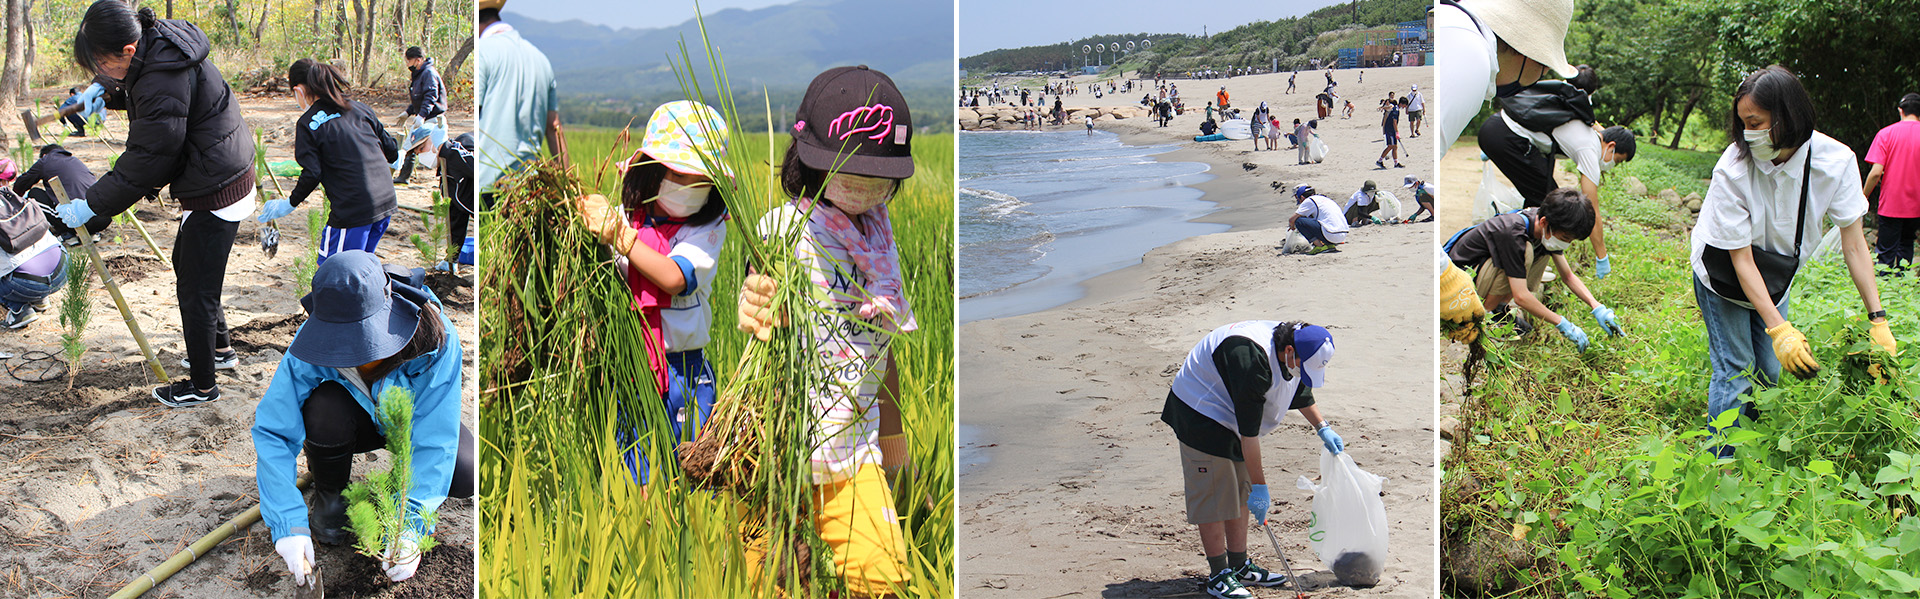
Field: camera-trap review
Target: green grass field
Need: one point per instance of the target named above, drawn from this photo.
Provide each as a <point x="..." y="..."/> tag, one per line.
<point x="562" y="517"/>
<point x="1587" y="475"/>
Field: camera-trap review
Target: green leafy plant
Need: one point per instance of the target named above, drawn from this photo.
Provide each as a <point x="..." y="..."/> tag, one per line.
<point x="1593" y="475"/>
<point x="431" y="244"/>
<point x="76" y="310"/>
<point x="377" y="507"/>
<point x="303" y="267"/>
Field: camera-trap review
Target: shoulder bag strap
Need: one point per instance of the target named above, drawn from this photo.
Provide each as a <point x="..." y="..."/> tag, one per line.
<point x="1806" y="183"/>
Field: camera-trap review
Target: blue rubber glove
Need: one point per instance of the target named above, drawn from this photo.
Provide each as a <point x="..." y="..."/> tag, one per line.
<point x="275" y="209"/>
<point x="1573" y="333"/>
<point x="1258" y="503"/>
<point x="75" y="213"/>
<point x="1331" y="440"/>
<point x="1601" y="268"/>
<point x="1604" y="315"/>
<point x="92" y="93"/>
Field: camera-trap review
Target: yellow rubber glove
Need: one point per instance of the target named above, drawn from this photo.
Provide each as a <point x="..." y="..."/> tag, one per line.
<point x="757" y="315"/>
<point x="1458" y="301"/>
<point x="1883" y="337"/>
<point x="1791" y="348"/>
<point x="604" y="220"/>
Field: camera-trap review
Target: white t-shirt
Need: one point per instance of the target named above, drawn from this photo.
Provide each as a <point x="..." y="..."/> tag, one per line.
<point x="1464" y="81"/>
<point x="1359" y="198"/>
<point x="1577" y="140"/>
<point x="846" y="409"/>
<point x="1416" y="102"/>
<point x="1333" y="222"/>
<point x="1755" y="203"/>
<point x="1199" y="385"/>
<point x="233" y="212"/>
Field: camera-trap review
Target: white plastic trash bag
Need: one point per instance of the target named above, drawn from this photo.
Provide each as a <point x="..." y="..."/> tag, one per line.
<point x="1316" y="149"/>
<point x="1389" y="205"/>
<point x="1829" y="245"/>
<point x="1237" y="129"/>
<point x="1494" y="197"/>
<point x="1349" y="525"/>
<point x="1295" y="244"/>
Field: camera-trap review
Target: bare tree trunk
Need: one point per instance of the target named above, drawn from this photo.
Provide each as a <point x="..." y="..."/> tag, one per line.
<point x="12" y="78"/>
<point x="366" y="44"/>
<point x="26" y="74"/>
<point x="266" y="8"/>
<point x="169" y="9"/>
<point x="233" y="20"/>
<point x="339" y="28"/>
<point x="426" y="27"/>
<point x="400" y="22"/>
<point x="459" y="59"/>
<point x="1684" y="114"/>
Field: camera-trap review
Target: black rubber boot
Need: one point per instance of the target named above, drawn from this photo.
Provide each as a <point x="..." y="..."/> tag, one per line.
<point x="406" y="171"/>
<point x="326" y="509"/>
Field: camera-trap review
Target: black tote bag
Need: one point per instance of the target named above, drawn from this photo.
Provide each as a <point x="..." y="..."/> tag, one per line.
<point x="1776" y="269"/>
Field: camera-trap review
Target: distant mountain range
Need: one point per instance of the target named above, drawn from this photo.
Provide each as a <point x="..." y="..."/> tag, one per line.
<point x="777" y="47"/>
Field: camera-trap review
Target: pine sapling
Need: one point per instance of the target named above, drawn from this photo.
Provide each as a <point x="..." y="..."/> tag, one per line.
<point x="75" y="311"/>
<point x="303" y="269"/>
<point x="377" y="508"/>
<point x="429" y="244"/>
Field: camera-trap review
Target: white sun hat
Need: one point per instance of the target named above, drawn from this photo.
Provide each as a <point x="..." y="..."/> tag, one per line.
<point x="1535" y="28"/>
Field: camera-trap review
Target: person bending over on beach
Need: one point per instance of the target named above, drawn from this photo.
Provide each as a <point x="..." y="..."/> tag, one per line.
<point x="1209" y="127"/>
<point x="666" y="234"/>
<point x="1361" y="205"/>
<point x="839" y="182"/>
<point x="1318" y="219"/>
<point x="1234" y="387"/>
<point x="1509" y="254"/>
<point x="1422" y="196"/>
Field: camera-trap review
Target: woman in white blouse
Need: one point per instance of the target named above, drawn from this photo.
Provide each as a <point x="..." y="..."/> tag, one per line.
<point x="1754" y="203"/>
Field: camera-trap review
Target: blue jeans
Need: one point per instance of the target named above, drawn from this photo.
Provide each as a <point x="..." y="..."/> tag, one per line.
<point x="1739" y="350"/>
<point x="688" y="376"/>
<point x="1310" y="228"/>
<point x="17" y="292"/>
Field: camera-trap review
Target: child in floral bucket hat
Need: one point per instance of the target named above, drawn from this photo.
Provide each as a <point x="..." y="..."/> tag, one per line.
<point x="666" y="234"/>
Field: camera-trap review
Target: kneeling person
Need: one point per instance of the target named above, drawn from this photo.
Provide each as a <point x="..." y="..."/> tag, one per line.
<point x="368" y="329"/>
<point x="1319" y="220"/>
<point x="1235" y="387"/>
<point x="1509" y="255"/>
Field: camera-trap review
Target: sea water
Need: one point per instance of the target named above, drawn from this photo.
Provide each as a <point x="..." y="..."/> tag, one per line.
<point x="1042" y="212"/>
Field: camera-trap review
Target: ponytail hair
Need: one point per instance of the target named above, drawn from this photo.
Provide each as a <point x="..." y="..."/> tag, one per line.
<point x="108" y="26"/>
<point x="323" y="82"/>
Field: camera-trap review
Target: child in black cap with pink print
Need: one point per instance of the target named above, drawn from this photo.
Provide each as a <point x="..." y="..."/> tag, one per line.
<point x="851" y="150"/>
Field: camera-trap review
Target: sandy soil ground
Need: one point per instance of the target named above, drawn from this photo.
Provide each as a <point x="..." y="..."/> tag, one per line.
<point x="1072" y="488"/>
<point x="101" y="483"/>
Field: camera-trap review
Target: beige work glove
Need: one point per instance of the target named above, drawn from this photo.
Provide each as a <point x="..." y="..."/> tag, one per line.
<point x="1458" y="301"/>
<point x="1883" y="337"/>
<point x="605" y="221"/>
<point x="757" y="315"/>
<point x="1791" y="348"/>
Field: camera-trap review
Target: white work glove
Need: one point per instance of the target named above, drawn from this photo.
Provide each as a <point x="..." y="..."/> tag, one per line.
<point x="409" y="547"/>
<point x="415" y="122"/>
<point x="297" y="550"/>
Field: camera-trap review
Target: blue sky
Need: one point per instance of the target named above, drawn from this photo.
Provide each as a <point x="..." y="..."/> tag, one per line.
<point x="630" y="13"/>
<point x="996" y="24"/>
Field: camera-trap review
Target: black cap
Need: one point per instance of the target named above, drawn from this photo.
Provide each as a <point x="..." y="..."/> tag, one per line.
<point x="414" y="52"/>
<point x="856" y="119"/>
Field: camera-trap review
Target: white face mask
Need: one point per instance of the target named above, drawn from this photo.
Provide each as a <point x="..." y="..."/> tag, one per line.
<point x="1760" y="144"/>
<point x="681" y="201"/>
<point x="1555" y="244"/>
<point x="1606" y="165"/>
<point x="855" y="194"/>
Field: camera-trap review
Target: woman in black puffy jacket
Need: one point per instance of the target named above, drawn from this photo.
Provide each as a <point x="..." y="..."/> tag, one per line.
<point x="185" y="133"/>
<point x="339" y="143"/>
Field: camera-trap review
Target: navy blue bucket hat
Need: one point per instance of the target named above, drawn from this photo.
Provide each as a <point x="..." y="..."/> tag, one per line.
<point x="356" y="314"/>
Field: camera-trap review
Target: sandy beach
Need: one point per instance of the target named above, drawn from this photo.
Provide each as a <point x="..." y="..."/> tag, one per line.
<point x="1069" y="486"/>
<point x="102" y="483"/>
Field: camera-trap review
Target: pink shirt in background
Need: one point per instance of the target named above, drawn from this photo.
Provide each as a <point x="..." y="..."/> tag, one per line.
<point x="1897" y="148"/>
